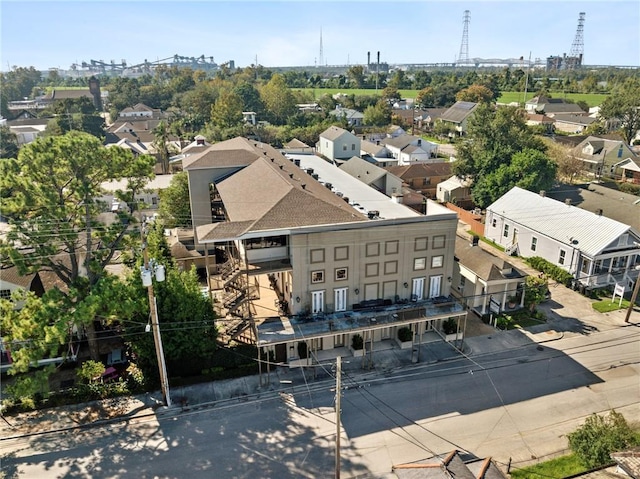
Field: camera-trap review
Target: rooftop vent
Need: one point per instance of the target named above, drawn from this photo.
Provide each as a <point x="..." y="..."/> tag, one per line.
<point x="599" y="212"/>
<point x="315" y="176"/>
<point x="296" y="161"/>
<point x="328" y="185"/>
<point x="304" y="186"/>
<point x="543" y="193"/>
<point x="567" y="201"/>
<point x="373" y="214"/>
<point x="290" y="175"/>
<point x="310" y="171"/>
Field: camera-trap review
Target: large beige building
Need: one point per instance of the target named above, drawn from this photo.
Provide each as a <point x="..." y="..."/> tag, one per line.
<point x="344" y="259"/>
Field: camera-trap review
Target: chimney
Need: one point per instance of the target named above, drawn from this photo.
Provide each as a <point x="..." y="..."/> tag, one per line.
<point x="397" y="198"/>
<point x="543" y="193"/>
<point x="567" y="201"/>
<point x="599" y="212"/>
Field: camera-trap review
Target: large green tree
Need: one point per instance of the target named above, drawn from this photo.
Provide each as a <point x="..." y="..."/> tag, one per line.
<point x="227" y="110"/>
<point x="8" y="143"/>
<point x="175" y="208"/>
<point x="51" y="195"/>
<point x="75" y="114"/>
<point x="488" y="155"/>
<point x="278" y="100"/>
<point x="624" y="106"/>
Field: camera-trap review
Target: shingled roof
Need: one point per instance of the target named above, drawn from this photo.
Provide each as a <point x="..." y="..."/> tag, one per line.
<point x="459" y="111"/>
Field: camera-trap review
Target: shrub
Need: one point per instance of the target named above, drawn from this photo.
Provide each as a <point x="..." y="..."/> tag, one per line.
<point x="405" y="334"/>
<point x="357" y="342"/>
<point x="599" y="436"/>
<point x="449" y="326"/>
<point x="630" y="188"/>
<point x="90" y="371"/>
<point x="550" y="269"/>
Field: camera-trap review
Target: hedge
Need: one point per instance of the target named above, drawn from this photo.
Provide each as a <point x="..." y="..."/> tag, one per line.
<point x="550" y="269"/>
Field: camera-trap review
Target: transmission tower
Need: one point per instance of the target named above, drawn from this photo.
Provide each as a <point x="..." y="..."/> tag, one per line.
<point x="321" y="57"/>
<point x="577" y="48"/>
<point x="463" y="57"/>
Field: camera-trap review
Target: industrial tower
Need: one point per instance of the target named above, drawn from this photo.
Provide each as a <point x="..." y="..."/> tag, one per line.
<point x="321" y="57"/>
<point x="463" y="57"/>
<point x="577" y="48"/>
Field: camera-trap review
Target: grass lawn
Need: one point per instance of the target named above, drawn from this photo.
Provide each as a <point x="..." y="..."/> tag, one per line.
<point x="560" y="467"/>
<point x="606" y="305"/>
<point x="592" y="99"/>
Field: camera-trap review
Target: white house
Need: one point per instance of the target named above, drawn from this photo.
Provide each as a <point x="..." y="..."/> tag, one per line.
<point x="454" y="189"/>
<point x="352" y="117"/>
<point x="408" y="149"/>
<point x="337" y="143"/>
<point x="596" y="250"/>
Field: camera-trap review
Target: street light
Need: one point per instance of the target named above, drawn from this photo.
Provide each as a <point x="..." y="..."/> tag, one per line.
<point x="152" y="268"/>
<point x="634" y="295"/>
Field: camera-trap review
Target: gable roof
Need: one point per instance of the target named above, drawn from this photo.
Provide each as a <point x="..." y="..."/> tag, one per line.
<point x="485" y="265"/>
<point x="295" y="143"/>
<point x="459" y="111"/>
<point x="448" y="466"/>
<point x="363" y="170"/>
<point x="347" y="113"/>
<point x="371" y="148"/>
<point x="234" y="152"/>
<point x="333" y="133"/>
<point x="421" y="170"/>
<point x="401" y="141"/>
<point x="574" y="119"/>
<point x="566" y="224"/>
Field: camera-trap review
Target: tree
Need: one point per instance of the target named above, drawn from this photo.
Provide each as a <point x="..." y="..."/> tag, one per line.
<point x="8" y="143"/>
<point x="51" y="196"/>
<point x="501" y="152"/>
<point x="569" y="166"/>
<point x="227" y="110"/>
<point x="356" y="76"/>
<point x="624" y="105"/>
<point x="378" y="115"/>
<point x="161" y="144"/>
<point x="426" y="97"/>
<point x="278" y="100"/>
<point x="476" y="94"/>
<point x="175" y="208"/>
<point x="75" y="114"/>
<point x="391" y="95"/>
<point x="599" y="436"/>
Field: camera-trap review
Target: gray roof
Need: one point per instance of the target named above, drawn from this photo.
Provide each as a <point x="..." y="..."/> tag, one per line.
<point x="333" y="133"/>
<point x="566" y="224"/>
<point x="371" y="148"/>
<point x="459" y="111"/>
<point x="614" y="204"/>
<point x="347" y="113"/>
<point x="577" y="119"/>
<point x="421" y="170"/>
<point x="484" y="265"/>
<point x="401" y="141"/>
<point x="363" y="170"/>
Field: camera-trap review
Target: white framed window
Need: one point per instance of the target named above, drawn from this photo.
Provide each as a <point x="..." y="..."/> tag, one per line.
<point x="5" y="294"/>
<point x="562" y="257"/>
<point x="317" y="302"/>
<point x="494" y="223"/>
<point x="435" y="286"/>
<point x="341" y="274"/>
<point x="534" y="243"/>
<point x="417" y="289"/>
<point x="437" y="261"/>
<point x="505" y="231"/>
<point x="419" y="263"/>
<point x="462" y="283"/>
<point x="317" y="276"/>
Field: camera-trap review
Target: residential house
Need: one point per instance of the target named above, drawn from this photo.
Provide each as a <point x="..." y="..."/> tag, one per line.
<point x="28" y="130"/>
<point x="487" y="282"/>
<point x="552" y="106"/>
<point x="336" y="143"/>
<point x="423" y="177"/>
<point x="597" y="251"/>
<point x="147" y="198"/>
<point x="352" y="117"/>
<point x="408" y="149"/>
<point x="610" y="158"/>
<point x="373" y="175"/>
<point x="297" y="146"/>
<point x="454" y="464"/>
<point x="249" y="117"/>
<point x="454" y="190"/>
<point x="458" y="115"/>
<point x="535" y="119"/>
<point x="599" y="199"/>
<point x="376" y="152"/>
<point x="141" y="111"/>
<point x="573" y="124"/>
<point x="345" y="260"/>
<point x="420" y="118"/>
<point x="11" y="280"/>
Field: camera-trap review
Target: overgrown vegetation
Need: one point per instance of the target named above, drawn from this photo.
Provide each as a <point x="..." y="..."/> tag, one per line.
<point x="551" y="270"/>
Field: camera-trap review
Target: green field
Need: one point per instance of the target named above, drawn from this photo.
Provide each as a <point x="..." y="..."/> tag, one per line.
<point x="560" y="467"/>
<point x="592" y="99"/>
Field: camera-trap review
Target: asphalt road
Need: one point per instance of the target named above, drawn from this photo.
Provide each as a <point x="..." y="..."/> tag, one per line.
<point x="516" y="404"/>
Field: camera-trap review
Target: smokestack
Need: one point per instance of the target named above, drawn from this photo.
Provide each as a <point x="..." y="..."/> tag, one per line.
<point x="368" y="58"/>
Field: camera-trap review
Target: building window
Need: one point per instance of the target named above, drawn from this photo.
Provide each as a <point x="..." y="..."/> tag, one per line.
<point x="391" y="247"/>
<point x="373" y="249"/>
<point x="317" y="276"/>
<point x="437" y="261"/>
<point x="353" y="146"/>
<point x="154" y="200"/>
<point x="563" y="255"/>
<point x="462" y="284"/>
<point x="344" y="147"/>
<point x="5" y="294"/>
<point x="505" y="232"/>
<point x="341" y="274"/>
<point x="390" y="267"/>
<point x="371" y="269"/>
<point x="317" y="255"/>
<point x="341" y="253"/>
<point x="494" y="223"/>
<point x="534" y="243"/>
<point x="421" y="244"/>
<point x="340" y="299"/>
<point x="419" y="263"/>
<point x="439" y="241"/>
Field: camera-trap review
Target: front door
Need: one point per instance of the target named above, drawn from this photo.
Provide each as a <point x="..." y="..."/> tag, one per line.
<point x="435" y="284"/>
<point x="340" y="299"/>
<point x="417" y="290"/>
<point x="317" y="302"/>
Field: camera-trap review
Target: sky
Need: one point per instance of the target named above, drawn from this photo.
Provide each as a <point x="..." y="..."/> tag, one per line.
<point x="56" y="34"/>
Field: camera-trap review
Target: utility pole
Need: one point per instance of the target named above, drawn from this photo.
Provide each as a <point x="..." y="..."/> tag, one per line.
<point x="634" y="295"/>
<point x="147" y="281"/>
<point x="338" y="393"/>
